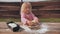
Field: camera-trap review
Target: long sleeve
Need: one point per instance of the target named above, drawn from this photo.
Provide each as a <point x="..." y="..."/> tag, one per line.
<point x="23" y="19"/>
<point x="35" y="18"/>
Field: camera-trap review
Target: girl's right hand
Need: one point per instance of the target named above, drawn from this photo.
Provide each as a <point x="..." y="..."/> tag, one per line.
<point x="29" y="23"/>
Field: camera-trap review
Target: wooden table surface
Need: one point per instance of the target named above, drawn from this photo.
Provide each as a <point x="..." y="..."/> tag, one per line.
<point x="47" y="28"/>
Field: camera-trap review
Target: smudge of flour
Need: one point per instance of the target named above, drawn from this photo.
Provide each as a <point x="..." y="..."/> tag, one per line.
<point x="43" y="29"/>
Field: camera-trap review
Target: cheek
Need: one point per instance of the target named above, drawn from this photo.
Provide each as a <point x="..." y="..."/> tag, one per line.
<point x="25" y="10"/>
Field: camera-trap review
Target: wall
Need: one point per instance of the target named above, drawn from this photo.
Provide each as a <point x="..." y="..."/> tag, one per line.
<point x="40" y="9"/>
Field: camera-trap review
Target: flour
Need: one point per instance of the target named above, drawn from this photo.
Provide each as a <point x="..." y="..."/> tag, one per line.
<point x="43" y="29"/>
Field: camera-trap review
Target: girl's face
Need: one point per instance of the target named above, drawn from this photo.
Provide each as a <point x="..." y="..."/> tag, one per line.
<point x="27" y="9"/>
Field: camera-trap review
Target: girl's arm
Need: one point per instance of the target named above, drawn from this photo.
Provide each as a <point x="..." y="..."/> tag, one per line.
<point x="35" y="19"/>
<point x="24" y="20"/>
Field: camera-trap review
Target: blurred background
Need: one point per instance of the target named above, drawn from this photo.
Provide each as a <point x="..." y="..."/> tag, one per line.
<point x="26" y="0"/>
<point x="45" y="10"/>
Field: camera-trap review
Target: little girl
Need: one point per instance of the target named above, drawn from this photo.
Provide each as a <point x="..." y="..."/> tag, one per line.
<point x="27" y="17"/>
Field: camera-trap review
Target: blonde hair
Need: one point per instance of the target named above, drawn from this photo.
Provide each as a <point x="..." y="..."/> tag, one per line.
<point x="25" y="4"/>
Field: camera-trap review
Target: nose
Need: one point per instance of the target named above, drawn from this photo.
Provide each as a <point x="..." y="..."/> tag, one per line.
<point x="28" y="9"/>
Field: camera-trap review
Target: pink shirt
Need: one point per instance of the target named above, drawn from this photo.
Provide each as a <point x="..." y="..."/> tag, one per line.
<point x="26" y="17"/>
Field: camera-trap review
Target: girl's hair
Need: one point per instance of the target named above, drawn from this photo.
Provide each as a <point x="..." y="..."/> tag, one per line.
<point x="25" y="4"/>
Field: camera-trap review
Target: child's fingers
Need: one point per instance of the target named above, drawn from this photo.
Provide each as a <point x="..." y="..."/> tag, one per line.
<point x="29" y="23"/>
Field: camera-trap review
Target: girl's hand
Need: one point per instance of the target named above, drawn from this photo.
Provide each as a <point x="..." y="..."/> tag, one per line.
<point x="29" y="23"/>
<point x="35" y="22"/>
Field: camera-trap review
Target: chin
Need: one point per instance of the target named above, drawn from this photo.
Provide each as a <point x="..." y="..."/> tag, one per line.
<point x="13" y="26"/>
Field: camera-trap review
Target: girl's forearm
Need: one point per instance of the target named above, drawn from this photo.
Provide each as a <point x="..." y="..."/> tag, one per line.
<point x="36" y="19"/>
